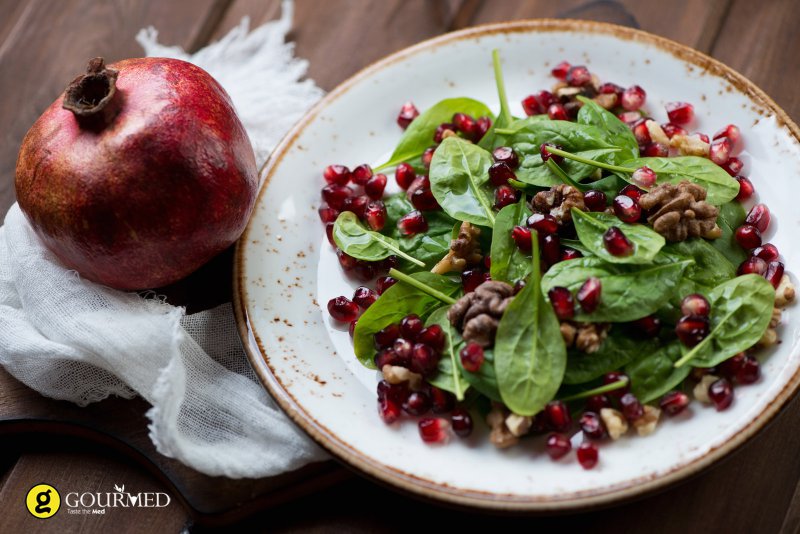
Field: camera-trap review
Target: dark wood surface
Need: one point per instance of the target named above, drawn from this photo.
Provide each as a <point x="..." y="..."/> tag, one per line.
<point x="45" y="43"/>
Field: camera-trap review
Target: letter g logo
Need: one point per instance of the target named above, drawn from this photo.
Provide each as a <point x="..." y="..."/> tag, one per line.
<point x="43" y="501"/>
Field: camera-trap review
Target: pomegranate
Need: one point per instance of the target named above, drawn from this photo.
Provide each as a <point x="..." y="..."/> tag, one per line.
<point x="139" y="173"/>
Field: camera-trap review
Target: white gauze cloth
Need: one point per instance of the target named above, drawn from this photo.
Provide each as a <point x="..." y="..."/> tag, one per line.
<point x="71" y="339"/>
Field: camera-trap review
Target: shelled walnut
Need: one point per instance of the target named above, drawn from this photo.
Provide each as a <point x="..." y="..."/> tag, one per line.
<point x="558" y="201"/>
<point x="680" y="211"/>
<point x="477" y="313"/>
<point x="464" y="250"/>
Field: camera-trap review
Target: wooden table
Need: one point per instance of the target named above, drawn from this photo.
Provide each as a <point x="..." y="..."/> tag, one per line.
<point x="45" y="43"/>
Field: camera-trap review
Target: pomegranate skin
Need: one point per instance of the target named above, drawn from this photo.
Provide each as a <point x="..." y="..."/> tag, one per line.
<point x="146" y="191"/>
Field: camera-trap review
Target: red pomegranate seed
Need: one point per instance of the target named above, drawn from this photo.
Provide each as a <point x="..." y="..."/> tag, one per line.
<point x="434" y="429"/>
<point x="746" y="188"/>
<point x="587" y="455"/>
<point x="617" y="376"/>
<point x="423" y="200"/>
<point x="352" y="328"/>
<point x="595" y="200"/>
<point x="649" y="326"/>
<point x="589" y="294"/>
<point x="365" y="270"/>
<point x="692" y="329"/>
<point x="424" y="360"/>
<point x="404" y="175"/>
<point x="417" y="403"/>
<point x="721" y="394"/>
<point x="748" y="236"/>
<point x="441" y="401"/>
<point x="592" y="426"/>
<point x="720" y="151"/>
<point x="749" y="372"/>
<point x="362" y="174"/>
<point x="644" y="177"/>
<point x="375" y="214"/>
<point x="759" y="217"/>
<point x="343" y="309"/>
<point x="348" y="263"/>
<point x="547" y="155"/>
<point x="375" y="186"/>
<point x="695" y="304"/>
<point x="411" y="326"/>
<point x="641" y="133"/>
<point x="731" y="131"/>
<point x="505" y="195"/>
<point x="487" y="262"/>
<point x="557" y="446"/>
<point x="630" y="117"/>
<point x="522" y="238"/>
<point x="752" y="265"/>
<point x="551" y="249"/>
<point x="701" y="136"/>
<point x="395" y="392"/>
<point x="557" y="112"/>
<point x="560" y="71"/>
<point x="595" y="403"/>
<point x="544" y="224"/>
<point x="386" y="337"/>
<point x="672" y="129"/>
<point x="472" y="278"/>
<point x="439" y="134"/>
<point x="335" y="195"/>
<point x="356" y="204"/>
<point x="558" y="416"/>
<point x="731" y="366"/>
<point x="412" y="223"/>
<point x="633" y="98"/>
<point x="506" y="155"/>
<point x="767" y="252"/>
<point x="329" y="234"/>
<point x="531" y="106"/>
<point x="632" y="191"/>
<point x="465" y="124"/>
<point x="336" y="174"/>
<point x="433" y="336"/>
<point x="484" y="123"/>
<point x="656" y="150"/>
<point x="472" y="357"/>
<point x="616" y="242"/>
<point x="680" y="112"/>
<point x="408" y="113"/>
<point x="569" y="253"/>
<point x="774" y="273"/>
<point x="364" y="297"/>
<point x="546" y="99"/>
<point x="674" y="402"/>
<point x="388" y="410"/>
<point x="578" y="76"/>
<point x="462" y="422"/>
<point x="627" y="209"/>
<point x="500" y="173"/>
<point x="383" y="283"/>
<point x="327" y="214"/>
<point x="609" y="88"/>
<point x="389" y="357"/>
<point x="427" y="156"/>
<point x="632" y="409"/>
<point x="734" y="166"/>
<point x="563" y="303"/>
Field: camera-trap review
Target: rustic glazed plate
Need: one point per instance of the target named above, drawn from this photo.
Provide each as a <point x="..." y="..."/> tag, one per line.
<point x="286" y="271"/>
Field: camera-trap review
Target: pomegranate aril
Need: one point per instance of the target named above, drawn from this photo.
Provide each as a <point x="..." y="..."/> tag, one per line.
<point x="692" y="329"/>
<point x="327" y="214"/>
<point x="433" y="336"/>
<point x="695" y="304"/>
<point x="403" y="349"/>
<point x="336" y="174"/>
<point x="595" y="200"/>
<point x="558" y="416"/>
<point x="375" y="215"/>
<point x="674" y="402"/>
<point x="617" y="376"/>
<point x="731" y="366"/>
<point x="720" y="151"/>
<point x="505" y="195"/>
<point x="562" y="301"/>
<point x="731" y="132"/>
<point x="522" y="238"/>
<point x="408" y="113"/>
<point x="461" y="422"/>
<point x="427" y="156"/>
<point x="560" y="71"/>
<point x="569" y="253"/>
<point x="375" y="186"/>
<point x="365" y="270"/>
<point x="423" y="359"/>
<point x="441" y="131"/>
<point x="519" y="285"/>
<point x="701" y="136"/>
<point x="616" y="243"/>
<point x="633" y="98"/>
<point x="347" y="263"/>
<point x="395" y="392"/>
<point x="734" y="166"/>
<point x="609" y="88"/>
<point x="627" y="209"/>
<point x="546" y="98"/>
<point x="631" y="408"/>
<point x="656" y="150"/>
<point x="557" y="446"/>
<point x="352" y="328"/>
<point x="632" y="191"/>
<point x="531" y="106"/>
<point x="749" y="372"/>
<point x="672" y="129"/>
<point x="592" y="426"/>
<point x="759" y="217"/>
<point x="588" y="455"/>
<point x="423" y="200"/>
<point x="767" y="252"/>
<point x="472" y="357"/>
<point x="748" y="236"/>
<point x="648" y="326"/>
<point x="544" y="224"/>
<point x="547" y="155"/>
<point x="383" y="283"/>
<point x="595" y="403"/>
<point x="630" y="117"/>
<point x="389" y="357"/>
<point x="412" y="223"/>
<point x="387" y="336"/>
<point x="557" y="112"/>
<point x="434" y="429"/>
<point x="404" y="175"/>
<point x="465" y="124"/>
<point x="388" y="410"/>
<point x="343" y="309"/>
<point x="641" y="133"/>
<point x="578" y="76"/>
<point x="644" y="177"/>
<point x="362" y="174"/>
<point x="484" y="123"/>
<point x="551" y="249"/>
<point x="774" y="273"/>
<point x="506" y="155"/>
<point x="472" y="278"/>
<point x="329" y="233"/>
<point x="500" y="173"/>
<point x="680" y="112"/>
<point x="364" y="297"/>
<point x="411" y="326"/>
<point x="441" y="401"/>
<point x="721" y="394"/>
<point x="357" y="205"/>
<point x="589" y="294"/>
<point x="417" y="403"/>
<point x="752" y="265"/>
<point x="746" y="188"/>
<point x="335" y="195"/>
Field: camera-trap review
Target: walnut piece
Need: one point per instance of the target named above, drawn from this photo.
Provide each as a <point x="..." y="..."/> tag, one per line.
<point x="394" y="374"/>
<point x="614" y="421"/>
<point x="518" y="425"/>
<point x="500" y="436"/>
<point x="477" y="313"/>
<point x="690" y="145"/>
<point x="464" y="250"/>
<point x="770" y="336"/>
<point x="656" y="132"/>
<point x="680" y="211"/>
<point x="700" y="391"/>
<point x="606" y="100"/>
<point x="785" y="292"/>
<point x="558" y="201"/>
<point x="586" y="337"/>
<point x="646" y="424"/>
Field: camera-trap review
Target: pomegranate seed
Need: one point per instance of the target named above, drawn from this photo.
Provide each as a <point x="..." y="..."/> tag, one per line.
<point x="734" y="166"/>
<point x="423" y="200"/>
<point x="336" y="174"/>
<point x="544" y="224"/>
<point x="617" y="376"/>
<point x="595" y="403"/>
<point x="692" y="329"/>
<point x="465" y="124"/>
<point x="433" y="336"/>
<point x="558" y="416"/>
<point x="472" y="278"/>
<point x="404" y="175"/>
<point x="674" y="402"/>
<point x="487" y="262"/>
<point x="441" y="401"/>
<point x="672" y="129"/>
<point x="695" y="304"/>
<point x="389" y="357"/>
<point x="560" y="71"/>
<point x="630" y="117"/>
<point x="551" y="249"/>
<point x="632" y="191"/>
<point x="767" y="252"/>
<point x="701" y="136"/>
<point x="388" y="410"/>
<point x="569" y="253"/>
<point x="364" y="297"/>
<point x="424" y="360"/>
<point x="362" y="174"/>
<point x="439" y="134"/>
<point x="412" y="223"/>
<point x="375" y="214"/>
<point x="411" y="326"/>
<point x="644" y="177"/>
<point x="731" y="131"/>
<point x="394" y="392"/>
<point x="383" y="283"/>
<point x="749" y="372"/>
<point x="364" y="270"/>
<point x="746" y="188"/>
<point x="752" y="265"/>
<point x="547" y="155"/>
<point x="748" y="236"/>
<point x="329" y="234"/>
<point x="557" y="112"/>
<point x="357" y="205"/>
<point x="327" y="214"/>
<point x="519" y="285"/>
<point x="641" y="133"/>
<point x="649" y="326"/>
<point x="343" y="309"/>
<point x="578" y="76"/>
<point x="462" y="422"/>
<point x="656" y="150"/>
<point x="774" y="273"/>
<point x="352" y="328"/>
<point x="632" y="409"/>
<point x="609" y="88"/>
<point x="434" y="429"/>
<point x="616" y="242"/>
<point x="335" y="195"/>
<point x="531" y="106"/>
<point x="403" y="349"/>
<point x="472" y="357"/>
<point x="563" y="303"/>
<point x="589" y="294"/>
<point x="546" y="98"/>
<point x="505" y="195"/>
<point x="408" y="113"/>
<point x="500" y="173"/>
<point x="680" y="112"/>
<point x="720" y="151"/>
<point x="633" y="98"/>
<point x="595" y="200"/>
<point x="347" y="263"/>
<point x="627" y="209"/>
<point x="504" y="154"/>
<point x="522" y="238"/>
<point x="417" y="403"/>
<point x="721" y="394"/>
<point x="587" y="455"/>
<point x="427" y="156"/>
<point x="731" y="366"/>
<point x="375" y="186"/>
<point x="592" y="426"/>
<point x="484" y="123"/>
<point x="557" y="446"/>
<point x="759" y="217"/>
<point x="386" y="337"/>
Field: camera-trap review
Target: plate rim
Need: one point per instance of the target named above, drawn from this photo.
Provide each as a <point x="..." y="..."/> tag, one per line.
<point x="377" y="471"/>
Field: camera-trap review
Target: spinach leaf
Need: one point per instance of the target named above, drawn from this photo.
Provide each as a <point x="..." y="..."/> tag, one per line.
<point x="719" y="185"/>
<point x="419" y="134"/>
<point x="617" y="350"/>
<point x="449" y="376"/>
<point x="459" y="178"/>
<point x="610" y="185"/>
<point x="509" y="263"/>
<point x="533" y="171"/>
<point x="617" y="132"/>
<point x="629" y="292"/>
<point x="591" y="227"/>
<point x="428" y="247"/>
<point x="709" y="267"/>
<point x="529" y="352"/>
<point x="577" y="245"/>
<point x="654" y="374"/>
<point x="740" y="313"/>
<point x="731" y="217"/>
<point x="397" y="302"/>
<point x="357" y="241"/>
<point x="527" y="135"/>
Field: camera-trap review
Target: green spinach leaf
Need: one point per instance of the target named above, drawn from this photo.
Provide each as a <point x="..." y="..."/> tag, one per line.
<point x="617" y="350"/>
<point x="654" y="373"/>
<point x="731" y="216"/>
<point x="509" y="263"/>
<point x="449" y="376"/>
<point x="592" y="226"/>
<point x="534" y="171"/>
<point x="357" y="241"/>
<point x="617" y="132"/>
<point x="428" y="247"/>
<point x="709" y="267"/>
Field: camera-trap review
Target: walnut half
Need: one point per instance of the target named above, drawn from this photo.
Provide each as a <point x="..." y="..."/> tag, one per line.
<point x="681" y="211"/>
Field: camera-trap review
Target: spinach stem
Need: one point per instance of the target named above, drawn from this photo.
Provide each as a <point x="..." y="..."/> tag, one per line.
<point x="605" y="388"/>
<point x="587" y="161"/>
<point x="501" y="87"/>
<point x="563" y="176"/>
<point x="505" y="131"/>
<point x="403" y="277"/>
<point x="692" y="353"/>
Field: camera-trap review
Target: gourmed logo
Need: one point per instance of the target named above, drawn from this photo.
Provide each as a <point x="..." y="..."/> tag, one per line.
<point x="100" y="502"/>
<point x="43" y="501"/>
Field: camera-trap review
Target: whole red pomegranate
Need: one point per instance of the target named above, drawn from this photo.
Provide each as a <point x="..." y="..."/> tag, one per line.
<point x="139" y="173"/>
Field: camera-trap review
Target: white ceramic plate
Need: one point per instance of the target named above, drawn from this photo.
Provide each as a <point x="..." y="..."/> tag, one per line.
<point x="286" y="272"/>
